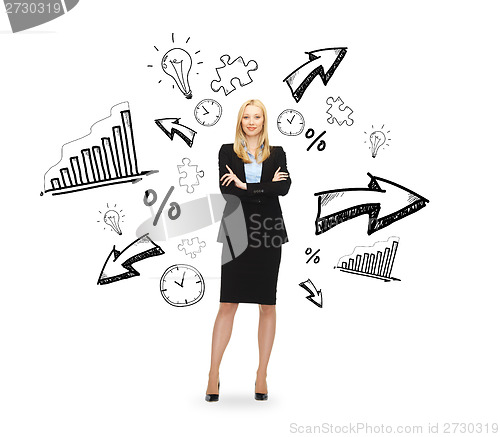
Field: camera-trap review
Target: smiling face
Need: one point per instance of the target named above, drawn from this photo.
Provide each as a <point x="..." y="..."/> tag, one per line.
<point x="252" y="121"/>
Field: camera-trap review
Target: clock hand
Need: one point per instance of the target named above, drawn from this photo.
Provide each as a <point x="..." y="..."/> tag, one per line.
<point x="206" y="112"/>
<point x="182" y="282"/>
<point x="290" y="121"/>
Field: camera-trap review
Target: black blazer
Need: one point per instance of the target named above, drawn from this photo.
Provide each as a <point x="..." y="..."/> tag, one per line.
<point x="262" y="196"/>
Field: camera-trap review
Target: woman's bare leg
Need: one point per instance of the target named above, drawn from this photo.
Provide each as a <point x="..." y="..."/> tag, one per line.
<point x="223" y="327"/>
<point x="267" y="329"/>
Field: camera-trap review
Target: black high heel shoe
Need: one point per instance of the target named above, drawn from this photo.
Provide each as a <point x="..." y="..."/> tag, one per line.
<point x="260" y="396"/>
<point x="213" y="397"/>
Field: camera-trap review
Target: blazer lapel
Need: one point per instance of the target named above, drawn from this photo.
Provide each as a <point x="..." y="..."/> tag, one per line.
<point x="268" y="169"/>
<point x="239" y="168"/>
<point x="265" y="168"/>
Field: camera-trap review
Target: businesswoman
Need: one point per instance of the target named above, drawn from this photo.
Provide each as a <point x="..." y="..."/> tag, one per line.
<point x="252" y="175"/>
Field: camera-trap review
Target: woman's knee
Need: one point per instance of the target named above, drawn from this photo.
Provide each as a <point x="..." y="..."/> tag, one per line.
<point x="228" y="308"/>
<point x="267" y="309"/>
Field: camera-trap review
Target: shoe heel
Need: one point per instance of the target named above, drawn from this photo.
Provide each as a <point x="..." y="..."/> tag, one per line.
<point x="213" y="397"/>
<point x="261" y="396"/>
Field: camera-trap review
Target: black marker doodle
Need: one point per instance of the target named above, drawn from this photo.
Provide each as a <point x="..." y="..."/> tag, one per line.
<point x="319" y="61"/>
<point x="291" y="122"/>
<point x="315" y="296"/>
<point x="118" y="265"/>
<point x="375" y="261"/>
<point x="208" y="112"/>
<point x="191" y="175"/>
<point x="338" y="112"/>
<point x="177" y="64"/>
<point x="171" y="126"/>
<point x="378" y="138"/>
<point x="338" y="206"/>
<point x="314" y="255"/>
<point x="114" y="162"/>
<point x="233" y="71"/>
<point x="112" y="219"/>
<point x="182" y="285"/>
<point x="191" y="247"/>
<point x="173" y="212"/>
<point x="321" y="145"/>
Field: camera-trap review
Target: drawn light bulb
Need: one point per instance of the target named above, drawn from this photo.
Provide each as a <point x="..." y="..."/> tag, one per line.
<point x="177" y="64"/>
<point x="377" y="139"/>
<point x="112" y="219"/>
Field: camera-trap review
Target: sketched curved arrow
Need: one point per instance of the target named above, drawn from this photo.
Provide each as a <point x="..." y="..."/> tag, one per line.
<point x="384" y="201"/>
<point x="315" y="296"/>
<point x="171" y="126"/>
<point x="322" y="63"/>
<point x="118" y="265"/>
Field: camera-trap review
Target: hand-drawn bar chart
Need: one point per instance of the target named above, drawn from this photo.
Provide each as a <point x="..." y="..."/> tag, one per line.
<point x="373" y="261"/>
<point x="106" y="156"/>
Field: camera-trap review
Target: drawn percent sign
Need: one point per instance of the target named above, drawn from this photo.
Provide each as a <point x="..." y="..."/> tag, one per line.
<point x="173" y="212"/>
<point x="314" y="255"/>
<point x="321" y="145"/>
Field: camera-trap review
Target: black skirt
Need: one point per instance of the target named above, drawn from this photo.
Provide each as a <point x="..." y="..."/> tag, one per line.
<point x="252" y="276"/>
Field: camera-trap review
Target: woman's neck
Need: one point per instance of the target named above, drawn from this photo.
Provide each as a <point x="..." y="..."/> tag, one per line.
<point x="252" y="144"/>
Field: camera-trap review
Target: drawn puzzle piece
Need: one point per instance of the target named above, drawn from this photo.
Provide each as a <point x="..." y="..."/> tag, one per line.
<point x="338" y="112"/>
<point x="233" y="70"/>
<point x="192" y="175"/>
<point x="191" y="247"/>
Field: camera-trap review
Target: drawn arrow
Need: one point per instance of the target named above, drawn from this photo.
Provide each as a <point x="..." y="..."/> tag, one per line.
<point x="315" y="296"/>
<point x="319" y="61"/>
<point x="171" y="126"/>
<point x="384" y="201"/>
<point x="118" y="265"/>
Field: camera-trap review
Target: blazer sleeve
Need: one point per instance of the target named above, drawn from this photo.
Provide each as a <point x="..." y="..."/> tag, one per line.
<point x="279" y="188"/>
<point x="225" y="154"/>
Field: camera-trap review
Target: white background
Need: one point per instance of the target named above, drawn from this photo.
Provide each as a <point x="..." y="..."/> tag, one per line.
<point x="78" y="359"/>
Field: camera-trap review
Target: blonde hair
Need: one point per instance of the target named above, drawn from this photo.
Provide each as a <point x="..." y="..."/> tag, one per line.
<point x="239" y="140"/>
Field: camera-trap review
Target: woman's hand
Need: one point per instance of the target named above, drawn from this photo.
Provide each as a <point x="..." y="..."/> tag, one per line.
<point x="279" y="175"/>
<point x="231" y="177"/>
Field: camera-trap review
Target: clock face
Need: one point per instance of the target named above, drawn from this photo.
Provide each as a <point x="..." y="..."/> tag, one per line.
<point x="208" y="112"/>
<point x="182" y="285"/>
<point x="291" y="122"/>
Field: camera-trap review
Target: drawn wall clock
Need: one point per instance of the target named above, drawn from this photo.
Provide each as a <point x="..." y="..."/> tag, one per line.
<point x="291" y="122"/>
<point x="182" y="285"/>
<point x="208" y="112"/>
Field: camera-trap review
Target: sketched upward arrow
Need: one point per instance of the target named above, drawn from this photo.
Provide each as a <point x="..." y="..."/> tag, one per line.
<point x="118" y="265"/>
<point x="322" y="62"/>
<point x="171" y="126"/>
<point x="338" y="206"/>
<point x="315" y="296"/>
